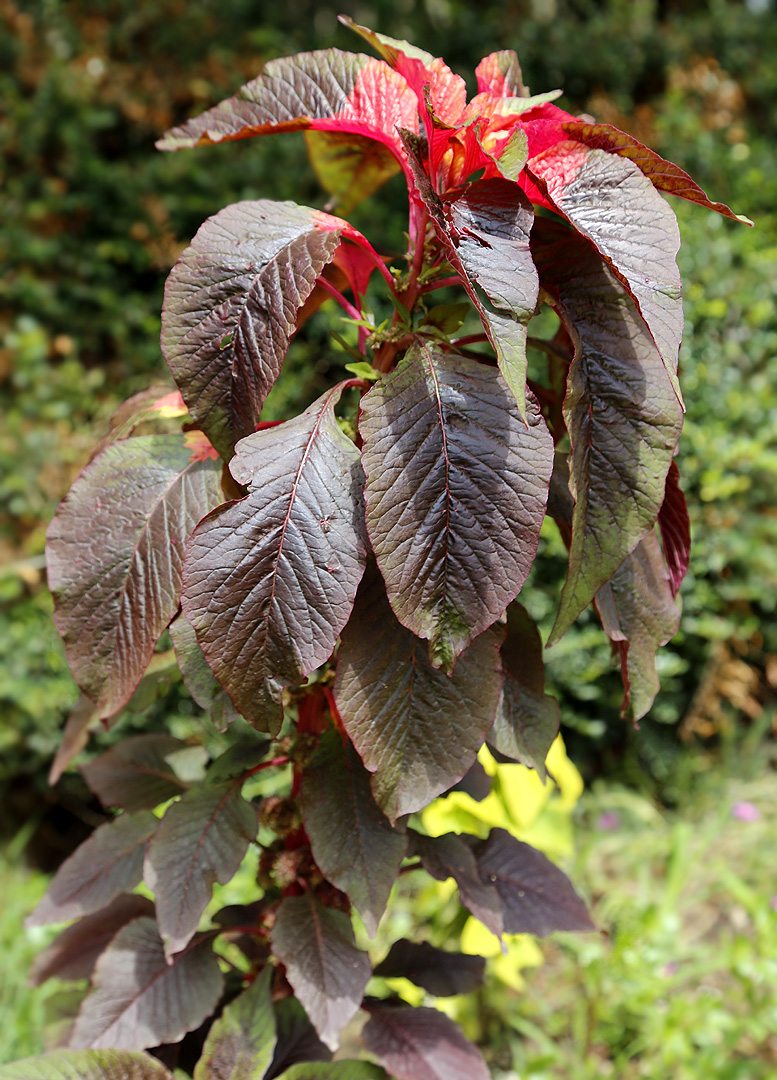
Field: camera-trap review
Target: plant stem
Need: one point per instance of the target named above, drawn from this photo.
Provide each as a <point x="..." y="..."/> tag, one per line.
<point x="284" y="760"/>
<point x="346" y="305"/>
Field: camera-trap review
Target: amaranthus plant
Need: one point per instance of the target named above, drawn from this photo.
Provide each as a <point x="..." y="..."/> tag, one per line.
<point x="348" y="584"/>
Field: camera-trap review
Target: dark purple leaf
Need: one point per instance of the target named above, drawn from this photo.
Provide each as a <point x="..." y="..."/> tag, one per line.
<point x="270" y="580"/>
<point x="241" y="756"/>
<point x="230" y="308"/>
<point x="136" y="773"/>
<point x="202" y="839"/>
<point x="415" y="728"/>
<point x="114" y="555"/>
<point x="156" y="403"/>
<point x="421" y="1044"/>
<point x="639" y="613"/>
<point x="198" y="678"/>
<point x="622" y="416"/>
<point x="537" y="898"/>
<point x="608" y="200"/>
<point x="456" y="491"/>
<point x="487" y="239"/>
<point x="441" y="973"/>
<point x="326" y="970"/>
<point x="73" y="953"/>
<point x="449" y="856"/>
<point x="675" y="529"/>
<point x="240" y="1044"/>
<point x="528" y="719"/>
<point x="352" y="841"/>
<point x="475" y="782"/>
<point x="109" y="863"/>
<point x="139" y="999"/>
<point x="296" y="1038"/>
<point x="81" y="718"/>
<point x="80" y="1065"/>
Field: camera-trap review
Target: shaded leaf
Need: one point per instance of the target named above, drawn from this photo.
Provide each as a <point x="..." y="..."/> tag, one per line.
<point x="156" y="403"/>
<point x="639" y="613"/>
<point x="326" y="970"/>
<point x="349" y="167"/>
<point x="136" y="773"/>
<point x="109" y="863"/>
<point x="230" y="308"/>
<point x="335" y="1070"/>
<point x="663" y="174"/>
<point x="449" y="856"/>
<point x="352" y="841"/>
<point x="475" y="782"/>
<point x="455" y="496"/>
<point x="238" y="758"/>
<point x="296" y="1038"/>
<point x="139" y="999"/>
<point x="622" y="416"/>
<point x="487" y="239"/>
<point x="198" y="678"/>
<point x="80" y="1065"/>
<point x="270" y="580"/>
<point x="528" y="719"/>
<point x="608" y="200"/>
<point x="114" y="553"/>
<point x="441" y="973"/>
<point x="202" y="839"/>
<point x="240" y="1044"/>
<point x="421" y="1043"/>
<point x="417" y="729"/>
<point x="537" y="897"/>
<point x="675" y="526"/>
<point x="81" y="718"/>
<point x="73" y="953"/>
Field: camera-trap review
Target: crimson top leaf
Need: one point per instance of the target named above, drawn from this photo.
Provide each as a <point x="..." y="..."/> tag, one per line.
<point x="270" y="580"/>
<point x="114" y="553"/>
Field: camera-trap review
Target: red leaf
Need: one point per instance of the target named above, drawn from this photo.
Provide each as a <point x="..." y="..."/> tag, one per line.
<point x="675" y="529"/>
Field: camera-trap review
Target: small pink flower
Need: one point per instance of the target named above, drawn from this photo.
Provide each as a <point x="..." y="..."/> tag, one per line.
<point x="745" y="811"/>
<point x="609" y="821"/>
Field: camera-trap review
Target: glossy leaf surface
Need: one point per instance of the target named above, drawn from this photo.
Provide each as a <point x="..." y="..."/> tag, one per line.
<point x="240" y="1044"/>
<point x="421" y="1043"/>
<point x="415" y="728"/>
<point x="352" y="841"/>
<point x="528" y="719"/>
<point x="537" y="897"/>
<point x="109" y="863"/>
<point x="639" y="613"/>
<point x="114" y="554"/>
<point x="326" y="970"/>
<point x="139" y="1000"/>
<point x="270" y="580"/>
<point x="622" y="416"/>
<point x="455" y="496"/>
<point x="135" y="774"/>
<point x="441" y="973"/>
<point x="201" y="840"/>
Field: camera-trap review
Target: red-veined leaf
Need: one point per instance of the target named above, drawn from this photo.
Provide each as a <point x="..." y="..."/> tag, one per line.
<point x="240" y="1044"/>
<point x="622" y="416"/>
<point x="537" y="897"/>
<point x="326" y="970"/>
<point x="421" y="1044"/>
<point x="86" y="1065"/>
<point x="139" y="999"/>
<point x="449" y="856"/>
<point x="352" y="841"/>
<point x="455" y="496"/>
<point x="528" y="719"/>
<point x="201" y="840"/>
<point x="109" y="863"/>
<point x="114" y="553"/>
<point x="675" y="529"/>
<point x="270" y="580"/>
<point x="639" y="613"/>
<point x="442" y="973"/>
<point x="415" y="728"/>
<point x="136" y="773"/>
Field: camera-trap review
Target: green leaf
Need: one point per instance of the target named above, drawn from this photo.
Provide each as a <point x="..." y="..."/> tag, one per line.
<point x="240" y="1044"/>
<point x="528" y="719"/>
<point x="326" y="970"/>
<point x="363" y="370"/>
<point x="351" y="839"/>
<point x="416" y="729"/>
<point x="140" y="1000"/>
<point x="446" y="317"/>
<point x="109" y="863"/>
<point x="334" y="1070"/>
<point x="202" y="839"/>
<point x="114" y="554"/>
<point x="86" y="1065"/>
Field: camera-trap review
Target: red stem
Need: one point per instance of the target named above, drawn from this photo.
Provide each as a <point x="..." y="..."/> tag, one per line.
<point x="470" y="339"/>
<point x="346" y="305"/>
<point x="284" y="760"/>
<point x="441" y="283"/>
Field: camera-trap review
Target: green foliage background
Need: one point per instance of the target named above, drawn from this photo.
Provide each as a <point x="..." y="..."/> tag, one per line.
<point x="93" y="218"/>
